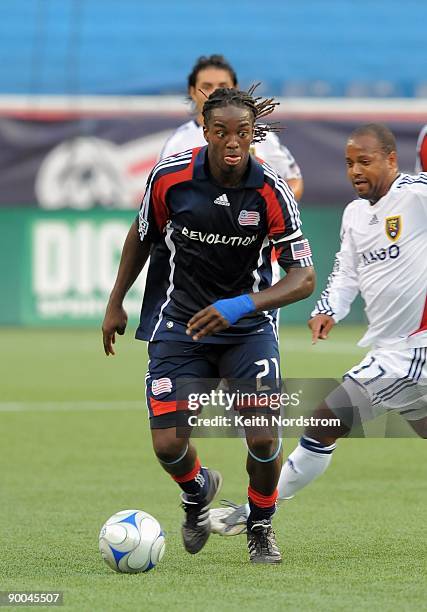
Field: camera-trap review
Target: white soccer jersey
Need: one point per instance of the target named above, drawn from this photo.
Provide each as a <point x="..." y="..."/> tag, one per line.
<point x="190" y="135"/>
<point x="384" y="256"/>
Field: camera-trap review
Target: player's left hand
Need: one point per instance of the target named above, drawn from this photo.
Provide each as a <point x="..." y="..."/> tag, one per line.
<point x="205" y="323"/>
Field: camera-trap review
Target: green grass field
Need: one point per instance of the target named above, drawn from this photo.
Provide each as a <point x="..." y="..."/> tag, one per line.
<point x="76" y="449"/>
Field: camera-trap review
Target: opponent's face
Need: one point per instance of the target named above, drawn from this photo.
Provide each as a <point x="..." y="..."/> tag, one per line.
<point x="229" y="134"/>
<point x="207" y="81"/>
<point x="369" y="169"/>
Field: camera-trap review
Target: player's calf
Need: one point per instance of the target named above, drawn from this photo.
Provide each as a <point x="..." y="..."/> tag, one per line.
<point x="199" y="485"/>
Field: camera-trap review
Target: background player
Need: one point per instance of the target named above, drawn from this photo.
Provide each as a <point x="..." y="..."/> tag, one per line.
<point x="421" y="160"/>
<point x="208" y="74"/>
<point x="208" y="219"/>
<point x="384" y="256"/>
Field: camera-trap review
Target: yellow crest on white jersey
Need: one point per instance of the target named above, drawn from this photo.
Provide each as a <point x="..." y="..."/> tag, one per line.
<point x="393" y="227"/>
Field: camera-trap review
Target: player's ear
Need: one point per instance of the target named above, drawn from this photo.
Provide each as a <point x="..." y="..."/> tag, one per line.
<point x="205" y="133"/>
<point x="392" y="159"/>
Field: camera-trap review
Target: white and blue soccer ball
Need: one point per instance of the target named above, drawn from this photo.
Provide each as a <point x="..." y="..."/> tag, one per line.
<point x="132" y="541"/>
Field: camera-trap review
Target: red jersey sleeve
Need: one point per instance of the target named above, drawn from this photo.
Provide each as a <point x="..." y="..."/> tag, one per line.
<point x="283" y="218"/>
<point x="154" y="212"/>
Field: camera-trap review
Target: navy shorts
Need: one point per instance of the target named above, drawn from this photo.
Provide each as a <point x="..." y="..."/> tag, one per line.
<point x="255" y="363"/>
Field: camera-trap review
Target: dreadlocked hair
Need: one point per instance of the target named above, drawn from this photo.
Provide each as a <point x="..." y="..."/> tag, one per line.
<point x="259" y="107"/>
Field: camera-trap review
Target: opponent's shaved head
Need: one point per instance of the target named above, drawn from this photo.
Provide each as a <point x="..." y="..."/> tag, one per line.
<point x="382" y="133"/>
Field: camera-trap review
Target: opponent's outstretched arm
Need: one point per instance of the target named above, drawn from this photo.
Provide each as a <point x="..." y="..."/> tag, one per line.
<point x="134" y="256"/>
<point x="342" y="287"/>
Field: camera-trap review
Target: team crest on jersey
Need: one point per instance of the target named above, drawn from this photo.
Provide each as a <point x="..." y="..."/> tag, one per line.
<point x="249" y="217"/>
<point x="393" y="227"/>
<point x="161" y="385"/>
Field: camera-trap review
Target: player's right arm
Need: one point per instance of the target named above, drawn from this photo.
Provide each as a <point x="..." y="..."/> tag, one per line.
<point x="134" y="256"/>
<point x="343" y="285"/>
<point x="145" y="231"/>
<point x="320" y="326"/>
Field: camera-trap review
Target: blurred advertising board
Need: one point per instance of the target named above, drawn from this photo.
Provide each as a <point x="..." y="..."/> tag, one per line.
<point x="58" y="269"/>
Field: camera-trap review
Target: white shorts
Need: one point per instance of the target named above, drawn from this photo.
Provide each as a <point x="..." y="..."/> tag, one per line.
<point x="390" y="381"/>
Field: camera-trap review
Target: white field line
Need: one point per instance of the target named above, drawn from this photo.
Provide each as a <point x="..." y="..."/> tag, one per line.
<point x="329" y="346"/>
<point x="74" y="406"/>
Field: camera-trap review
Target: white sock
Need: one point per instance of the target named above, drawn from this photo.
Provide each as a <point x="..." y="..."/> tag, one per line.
<point x="302" y="466"/>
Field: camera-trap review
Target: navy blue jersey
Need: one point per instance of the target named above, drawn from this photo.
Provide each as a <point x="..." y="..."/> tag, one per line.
<point x="210" y="242"/>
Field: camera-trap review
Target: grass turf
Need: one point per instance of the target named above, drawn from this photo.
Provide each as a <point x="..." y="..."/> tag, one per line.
<point x="76" y="449"/>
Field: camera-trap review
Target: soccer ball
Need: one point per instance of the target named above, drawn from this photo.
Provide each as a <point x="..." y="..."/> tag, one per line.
<point x="132" y="541"/>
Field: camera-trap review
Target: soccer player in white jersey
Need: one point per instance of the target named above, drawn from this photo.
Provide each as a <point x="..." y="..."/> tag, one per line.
<point x="383" y="256"/>
<point x="208" y="74"/>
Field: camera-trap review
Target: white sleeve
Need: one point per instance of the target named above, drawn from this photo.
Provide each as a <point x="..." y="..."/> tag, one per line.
<point x="172" y="145"/>
<point x="343" y="284"/>
<point x="187" y="136"/>
<point x="278" y="157"/>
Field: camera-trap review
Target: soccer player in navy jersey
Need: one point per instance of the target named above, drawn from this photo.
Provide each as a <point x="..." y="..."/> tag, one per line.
<point x="209" y="219"/>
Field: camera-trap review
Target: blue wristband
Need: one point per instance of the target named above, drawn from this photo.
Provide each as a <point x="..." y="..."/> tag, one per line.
<point x="235" y="308"/>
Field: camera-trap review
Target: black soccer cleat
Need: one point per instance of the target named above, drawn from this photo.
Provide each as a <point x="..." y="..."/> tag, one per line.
<point x="262" y="543"/>
<point x="196" y="527"/>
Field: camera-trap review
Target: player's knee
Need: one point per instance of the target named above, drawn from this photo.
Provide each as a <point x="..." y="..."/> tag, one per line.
<point x="167" y="446"/>
<point x="420" y="427"/>
<point x="263" y="447"/>
<point x="325" y="426"/>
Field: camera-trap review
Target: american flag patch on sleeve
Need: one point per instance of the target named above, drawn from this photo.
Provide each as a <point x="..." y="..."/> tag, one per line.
<point x="301" y="251"/>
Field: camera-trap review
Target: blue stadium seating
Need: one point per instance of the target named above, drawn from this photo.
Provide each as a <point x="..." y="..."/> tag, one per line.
<point x="309" y="47"/>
